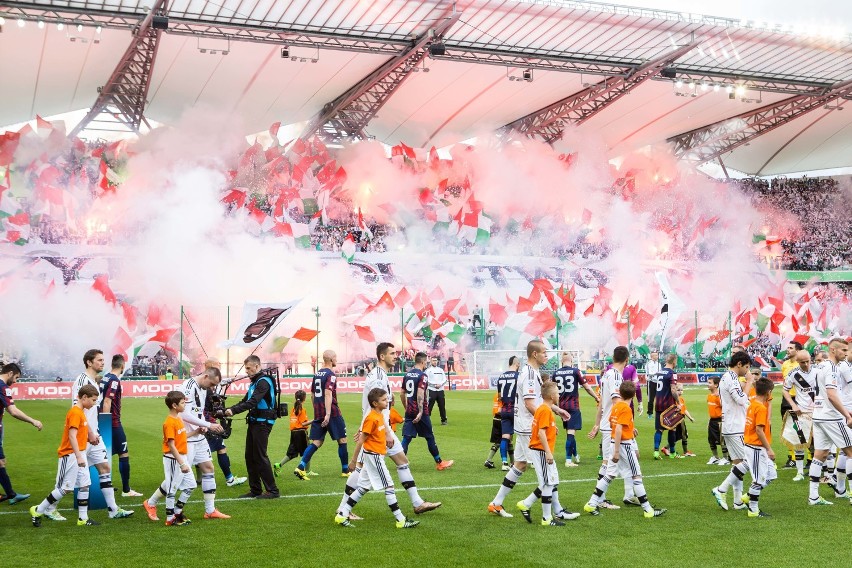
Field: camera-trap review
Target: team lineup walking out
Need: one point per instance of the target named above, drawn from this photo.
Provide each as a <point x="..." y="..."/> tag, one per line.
<point x="527" y="406"/>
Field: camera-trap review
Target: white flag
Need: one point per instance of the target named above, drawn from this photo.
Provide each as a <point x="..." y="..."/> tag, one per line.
<point x="258" y="320"/>
<point x="672" y="306"/>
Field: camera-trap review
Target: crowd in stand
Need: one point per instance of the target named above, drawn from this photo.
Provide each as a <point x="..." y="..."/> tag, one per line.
<point x="823" y="238"/>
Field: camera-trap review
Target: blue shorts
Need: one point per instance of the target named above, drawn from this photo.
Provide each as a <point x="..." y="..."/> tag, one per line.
<point x="423" y="428"/>
<point x="575" y="422"/>
<point x="336" y="429"/>
<point x="119" y="440"/>
<point x="216" y="443"/>
<point x="507" y="423"/>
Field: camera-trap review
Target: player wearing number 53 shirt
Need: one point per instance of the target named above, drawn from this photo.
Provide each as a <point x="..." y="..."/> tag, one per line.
<point x="569" y="379"/>
<point x="417" y="420"/>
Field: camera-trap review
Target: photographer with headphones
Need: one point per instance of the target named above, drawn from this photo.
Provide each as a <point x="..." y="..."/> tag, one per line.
<point x="261" y="403"/>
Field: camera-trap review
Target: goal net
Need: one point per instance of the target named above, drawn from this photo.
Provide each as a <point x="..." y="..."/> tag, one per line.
<point x="488" y="365"/>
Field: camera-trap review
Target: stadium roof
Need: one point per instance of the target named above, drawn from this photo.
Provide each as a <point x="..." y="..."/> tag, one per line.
<point x="466" y="92"/>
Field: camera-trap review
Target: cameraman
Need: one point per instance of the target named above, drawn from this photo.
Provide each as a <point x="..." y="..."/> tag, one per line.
<point x="260" y="402"/>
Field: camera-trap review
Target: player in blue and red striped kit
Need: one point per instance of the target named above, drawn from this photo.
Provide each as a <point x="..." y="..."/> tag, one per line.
<point x="9" y="374"/>
<point x="417" y="420"/>
<point x="664" y="397"/>
<point x="111" y="403"/>
<point x="568" y="379"/>
<point x="327" y="417"/>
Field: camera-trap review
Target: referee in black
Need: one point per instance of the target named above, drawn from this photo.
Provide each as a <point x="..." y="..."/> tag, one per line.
<point x="260" y="402"/>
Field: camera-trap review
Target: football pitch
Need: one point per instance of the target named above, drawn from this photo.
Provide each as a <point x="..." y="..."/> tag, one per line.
<point x="298" y="529"/>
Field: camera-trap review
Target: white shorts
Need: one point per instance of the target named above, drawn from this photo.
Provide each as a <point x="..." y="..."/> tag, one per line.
<point x="789" y="434"/>
<point x="198" y="452"/>
<point x="374" y="473"/>
<point x="522" y="448"/>
<point x="628" y="461"/>
<point x="96" y="453"/>
<point x="760" y="467"/>
<point x="397" y="445"/>
<point x="736" y="446"/>
<point x="70" y="475"/>
<point x="175" y="479"/>
<point x="831" y="433"/>
<point x="546" y="473"/>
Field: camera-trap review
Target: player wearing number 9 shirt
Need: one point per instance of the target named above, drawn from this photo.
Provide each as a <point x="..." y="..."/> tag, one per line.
<point x="417" y="420"/>
<point x="568" y="379"/>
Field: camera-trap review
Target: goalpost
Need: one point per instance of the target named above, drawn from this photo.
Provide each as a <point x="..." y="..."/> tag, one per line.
<point x="490" y="364"/>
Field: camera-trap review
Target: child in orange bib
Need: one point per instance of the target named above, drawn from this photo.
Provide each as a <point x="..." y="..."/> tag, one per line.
<point x="625" y="457"/>
<point x="73" y="469"/>
<point x="177" y="473"/>
<point x="542" y="443"/>
<point x="758" y="442"/>
<point x="373" y="440"/>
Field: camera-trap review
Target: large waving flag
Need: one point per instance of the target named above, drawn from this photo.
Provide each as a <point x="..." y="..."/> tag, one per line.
<point x="259" y="319"/>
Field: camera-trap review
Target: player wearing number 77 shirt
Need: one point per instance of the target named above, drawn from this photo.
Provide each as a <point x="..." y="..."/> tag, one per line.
<point x="568" y="379"/>
<point x="417" y="420"/>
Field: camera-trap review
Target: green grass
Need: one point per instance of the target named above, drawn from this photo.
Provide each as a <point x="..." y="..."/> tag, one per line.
<point x="298" y="529"/>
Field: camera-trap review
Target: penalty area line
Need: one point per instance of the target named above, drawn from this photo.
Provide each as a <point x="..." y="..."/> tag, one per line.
<point x="25" y="510"/>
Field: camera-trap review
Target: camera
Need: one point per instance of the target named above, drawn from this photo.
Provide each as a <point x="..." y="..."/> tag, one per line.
<point x="217" y="404"/>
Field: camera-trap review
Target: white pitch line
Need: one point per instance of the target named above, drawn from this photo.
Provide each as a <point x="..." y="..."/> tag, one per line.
<point x="446" y="488"/>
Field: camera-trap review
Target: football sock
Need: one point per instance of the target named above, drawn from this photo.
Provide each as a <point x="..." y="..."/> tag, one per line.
<point x="532" y="498"/>
<point x="509" y="482"/>
<point x="390" y="497"/>
<point x="843" y="471"/>
<point x="754" y="496"/>
<point x="800" y="463"/>
<point x="52" y="498"/>
<point x="170" y="506"/>
<point x="352" y="500"/>
<point x="108" y="491"/>
<point x="124" y="471"/>
<point x="546" y="502"/>
<point x="557" y="506"/>
<point x="208" y="487"/>
<point x="155" y="497"/>
<point x="224" y="462"/>
<point x="83" y="503"/>
<point x="629" y="490"/>
<point x="600" y="490"/>
<point x="306" y="457"/>
<point x="351" y="486"/>
<point x="494" y="449"/>
<point x="407" y="480"/>
<point x="641" y="494"/>
<point x="343" y="454"/>
<point x="571" y="446"/>
<point x="6" y="483"/>
<point x="829" y="464"/>
<point x="433" y="449"/>
<point x="181" y="501"/>
<point x="736" y="474"/>
<point x="285" y="460"/>
<point x="658" y="438"/>
<point x="672" y="439"/>
<point x="814" y="472"/>
<point x="504" y="450"/>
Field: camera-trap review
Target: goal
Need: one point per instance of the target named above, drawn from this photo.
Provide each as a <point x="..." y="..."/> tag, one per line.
<point x="490" y="364"/>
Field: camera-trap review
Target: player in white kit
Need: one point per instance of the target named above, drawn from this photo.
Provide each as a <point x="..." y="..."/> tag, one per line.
<point x="734" y="408"/>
